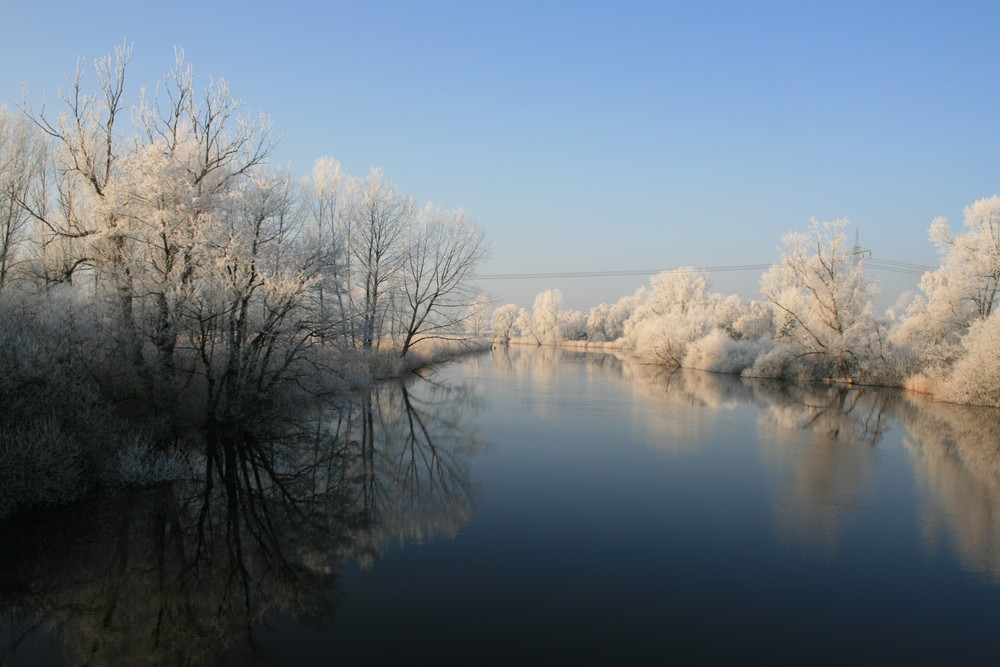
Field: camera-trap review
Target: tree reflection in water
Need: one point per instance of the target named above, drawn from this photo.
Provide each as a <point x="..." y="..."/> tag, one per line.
<point x="196" y="572"/>
<point x="820" y="441"/>
<point x="192" y="572"/>
<point x="407" y="456"/>
<point x="956" y="453"/>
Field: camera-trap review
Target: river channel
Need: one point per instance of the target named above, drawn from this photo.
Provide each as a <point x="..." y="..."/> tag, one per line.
<point x="540" y="506"/>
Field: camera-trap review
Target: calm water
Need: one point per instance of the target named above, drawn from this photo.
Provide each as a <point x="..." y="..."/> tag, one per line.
<point x="542" y="506"/>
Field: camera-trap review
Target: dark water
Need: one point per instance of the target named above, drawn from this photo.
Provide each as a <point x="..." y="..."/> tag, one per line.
<point x="541" y="506"/>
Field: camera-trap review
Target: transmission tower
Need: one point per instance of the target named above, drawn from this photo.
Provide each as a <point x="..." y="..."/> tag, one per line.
<point x="859" y="253"/>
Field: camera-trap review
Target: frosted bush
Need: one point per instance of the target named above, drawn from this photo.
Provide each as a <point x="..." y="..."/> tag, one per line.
<point x="138" y="463"/>
<point x="599" y="325"/>
<point x="755" y="320"/>
<point x="665" y="339"/>
<point x="743" y="354"/>
<point x="607" y="323"/>
<point x="779" y="362"/>
<point x="719" y="353"/>
<point x="42" y="465"/>
<point x="706" y="352"/>
<point x="670" y="321"/>
<point x="385" y="364"/>
<point x="573" y="325"/>
<point x="975" y="377"/>
<point x="887" y="365"/>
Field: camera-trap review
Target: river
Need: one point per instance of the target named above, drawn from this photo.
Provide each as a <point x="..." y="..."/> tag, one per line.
<point x="540" y="505"/>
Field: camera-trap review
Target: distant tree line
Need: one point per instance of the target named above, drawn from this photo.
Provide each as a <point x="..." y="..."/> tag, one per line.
<point x="814" y="320"/>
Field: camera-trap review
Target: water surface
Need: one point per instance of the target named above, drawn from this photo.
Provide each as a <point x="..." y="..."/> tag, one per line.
<point x="543" y="505"/>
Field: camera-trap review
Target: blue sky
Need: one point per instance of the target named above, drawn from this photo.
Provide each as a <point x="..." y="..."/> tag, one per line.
<point x="595" y="136"/>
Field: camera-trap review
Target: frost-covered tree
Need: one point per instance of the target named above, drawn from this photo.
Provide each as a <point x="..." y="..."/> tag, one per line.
<point x="607" y="322"/>
<point x="139" y="209"/>
<point x="755" y="320"/>
<point x="504" y="322"/>
<point x="442" y="251"/>
<point x="951" y="327"/>
<point x="179" y="281"/>
<point x="23" y="162"/>
<point x="543" y="324"/>
<point x="326" y="208"/>
<point x="88" y="141"/>
<point x="972" y="260"/>
<point x="250" y="315"/>
<point x="375" y="239"/>
<point x="961" y="292"/>
<point x="600" y="324"/>
<point x="477" y="322"/>
<point x="387" y="271"/>
<point x="211" y="154"/>
<point x="975" y="377"/>
<point x="573" y="325"/>
<point x="823" y="308"/>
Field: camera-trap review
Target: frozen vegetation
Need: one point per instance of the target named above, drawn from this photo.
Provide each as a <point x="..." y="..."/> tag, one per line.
<point x="814" y="320"/>
<point x="160" y="280"/>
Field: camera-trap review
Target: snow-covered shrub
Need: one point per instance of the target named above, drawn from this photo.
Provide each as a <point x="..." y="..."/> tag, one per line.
<point x="719" y="353"/>
<point x="676" y="311"/>
<point x="781" y="363"/>
<point x="929" y="328"/>
<point x="573" y="325"/>
<point x="42" y="464"/>
<point x="975" y="377"/>
<point x="137" y="462"/>
<point x="665" y="339"/>
<point x="607" y="323"/>
<point x="600" y="327"/>
<point x="754" y="320"/>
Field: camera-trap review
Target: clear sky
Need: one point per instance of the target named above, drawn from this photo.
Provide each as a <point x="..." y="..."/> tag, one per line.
<point x="594" y="136"/>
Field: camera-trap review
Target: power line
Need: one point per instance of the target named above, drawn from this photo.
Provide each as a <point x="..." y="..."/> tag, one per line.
<point x="880" y="264"/>
<point x="897" y="268"/>
<point x="631" y="272"/>
<point x="921" y="267"/>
